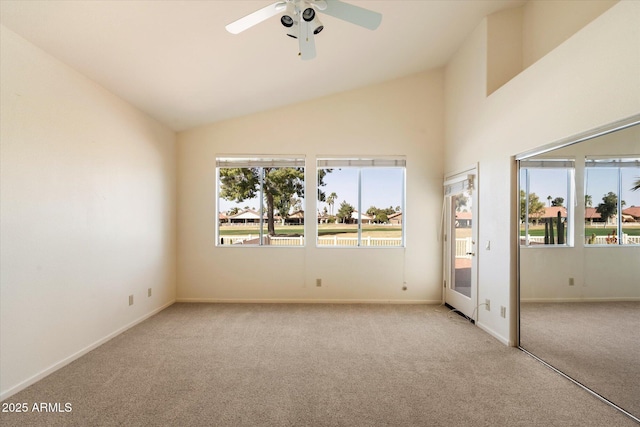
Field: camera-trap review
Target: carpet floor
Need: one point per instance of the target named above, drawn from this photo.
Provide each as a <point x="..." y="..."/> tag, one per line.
<point x="308" y="365"/>
<point x="595" y="343"/>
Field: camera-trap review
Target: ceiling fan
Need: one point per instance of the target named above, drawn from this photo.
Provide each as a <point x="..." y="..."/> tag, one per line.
<point x="300" y="20"/>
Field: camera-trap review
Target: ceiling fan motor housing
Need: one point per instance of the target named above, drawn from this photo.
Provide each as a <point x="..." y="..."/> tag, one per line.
<point x="300" y="18"/>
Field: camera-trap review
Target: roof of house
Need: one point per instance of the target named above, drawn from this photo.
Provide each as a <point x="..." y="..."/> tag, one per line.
<point x="297" y="214"/>
<point x="634" y="211"/>
<point x="464" y="215"/>
<point x="552" y="212"/>
<point x="354" y="215"/>
<point x="590" y="213"/>
<point x="246" y="214"/>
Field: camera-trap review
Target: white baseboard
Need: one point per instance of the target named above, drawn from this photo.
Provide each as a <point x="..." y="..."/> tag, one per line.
<point x="494" y="334"/>
<point x="304" y="301"/>
<point x="51" y="369"/>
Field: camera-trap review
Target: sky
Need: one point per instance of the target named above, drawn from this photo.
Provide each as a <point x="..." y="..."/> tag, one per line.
<point x="381" y="187"/>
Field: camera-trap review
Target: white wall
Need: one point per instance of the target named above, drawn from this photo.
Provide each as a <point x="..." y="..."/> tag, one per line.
<point x="87" y="214"/>
<point x="589" y="80"/>
<point x="402" y="117"/>
<point x="547" y="24"/>
<point x="599" y="273"/>
<point x="518" y="37"/>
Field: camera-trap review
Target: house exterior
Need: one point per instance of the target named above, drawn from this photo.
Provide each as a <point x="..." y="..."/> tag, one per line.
<point x="295" y="218"/>
<point x="463" y="219"/>
<point x="323" y="219"/>
<point x="591" y="216"/>
<point x="552" y="212"/>
<point x="395" y="219"/>
<point x="366" y="219"/>
<point x="247" y="216"/>
<point x="631" y="214"/>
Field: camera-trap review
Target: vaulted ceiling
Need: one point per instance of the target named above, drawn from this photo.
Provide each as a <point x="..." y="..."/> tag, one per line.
<point x="175" y="60"/>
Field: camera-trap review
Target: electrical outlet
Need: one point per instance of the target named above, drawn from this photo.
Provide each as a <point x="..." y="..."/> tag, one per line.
<point x="130" y="299"/>
<point x="503" y="311"/>
<point x="487" y="305"/>
<point x="571" y="281"/>
<point x="318" y="282"/>
<point x="149" y="292"/>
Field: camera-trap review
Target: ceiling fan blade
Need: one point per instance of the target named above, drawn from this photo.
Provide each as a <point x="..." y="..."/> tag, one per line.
<point x="256" y="17"/>
<point x="356" y="15"/>
<point x="306" y="41"/>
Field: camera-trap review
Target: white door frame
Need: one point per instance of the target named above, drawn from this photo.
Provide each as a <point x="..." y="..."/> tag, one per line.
<point x="455" y="184"/>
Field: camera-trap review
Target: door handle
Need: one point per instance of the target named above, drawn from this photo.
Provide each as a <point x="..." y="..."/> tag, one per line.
<point x="471" y="253"/>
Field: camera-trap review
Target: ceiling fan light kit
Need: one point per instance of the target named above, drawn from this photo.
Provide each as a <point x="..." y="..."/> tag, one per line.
<point x="300" y="19"/>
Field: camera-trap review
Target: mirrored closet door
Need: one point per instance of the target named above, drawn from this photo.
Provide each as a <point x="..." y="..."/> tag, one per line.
<point x="579" y="261"/>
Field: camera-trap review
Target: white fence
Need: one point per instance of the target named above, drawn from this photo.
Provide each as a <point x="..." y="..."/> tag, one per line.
<point x="464" y="247"/>
<point x="353" y="241"/>
<point x="599" y="240"/>
<point x="322" y="241"/>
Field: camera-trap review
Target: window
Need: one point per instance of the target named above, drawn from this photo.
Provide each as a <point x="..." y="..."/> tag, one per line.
<point x="546" y="200"/>
<point x="361" y="202"/>
<point x="611" y="186"/>
<point x="260" y="201"/>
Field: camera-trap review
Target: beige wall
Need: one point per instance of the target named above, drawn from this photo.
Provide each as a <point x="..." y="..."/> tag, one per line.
<point x="401" y="117"/>
<point x="87" y="214"/>
<point x="504" y="47"/>
<point x="518" y="37"/>
<point x="547" y="24"/>
<point x="589" y="80"/>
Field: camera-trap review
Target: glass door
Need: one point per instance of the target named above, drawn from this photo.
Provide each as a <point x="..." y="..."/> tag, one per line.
<point x="460" y="243"/>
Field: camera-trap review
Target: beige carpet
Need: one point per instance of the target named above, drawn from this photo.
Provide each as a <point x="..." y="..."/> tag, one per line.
<point x="595" y="343"/>
<point x="309" y="365"/>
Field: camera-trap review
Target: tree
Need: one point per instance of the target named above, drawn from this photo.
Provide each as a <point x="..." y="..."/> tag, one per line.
<point x="321" y="174"/>
<point x="461" y="202"/>
<point x="378" y="215"/>
<point x="381" y="216"/>
<point x="558" y="201"/>
<point x="549" y="200"/>
<point x="636" y="184"/>
<point x="588" y="201"/>
<point x="608" y="207"/>
<point x="331" y="200"/>
<point x="234" y="210"/>
<point x="344" y="212"/>
<point x="278" y="187"/>
<point x="536" y="207"/>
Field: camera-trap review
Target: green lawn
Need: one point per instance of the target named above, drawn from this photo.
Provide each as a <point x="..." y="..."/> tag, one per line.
<point x="323" y="230"/>
<point x="598" y="231"/>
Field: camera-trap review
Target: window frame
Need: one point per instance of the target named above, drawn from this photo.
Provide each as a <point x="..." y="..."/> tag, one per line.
<point x="258" y="161"/>
<point x="567" y="164"/>
<point x="617" y="164"/>
<point x="359" y="163"/>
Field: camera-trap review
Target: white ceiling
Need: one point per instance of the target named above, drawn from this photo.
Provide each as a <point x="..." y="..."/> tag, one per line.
<point x="175" y="60"/>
